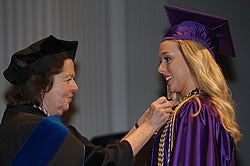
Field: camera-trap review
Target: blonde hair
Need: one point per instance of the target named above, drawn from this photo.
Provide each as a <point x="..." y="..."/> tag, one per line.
<point x="210" y="79"/>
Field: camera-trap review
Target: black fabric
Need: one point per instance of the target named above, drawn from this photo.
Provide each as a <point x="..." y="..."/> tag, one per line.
<point x="70" y="153"/>
<point x="18" y="123"/>
<point x="37" y="57"/>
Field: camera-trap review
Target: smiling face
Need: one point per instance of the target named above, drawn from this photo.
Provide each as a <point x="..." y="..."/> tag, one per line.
<point x="174" y="68"/>
<point x="57" y="100"/>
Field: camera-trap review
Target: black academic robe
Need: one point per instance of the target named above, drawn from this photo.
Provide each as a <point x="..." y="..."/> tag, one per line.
<point x="18" y="123"/>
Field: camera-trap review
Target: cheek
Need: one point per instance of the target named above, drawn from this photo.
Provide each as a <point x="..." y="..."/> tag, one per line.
<point x="173" y="68"/>
<point x="57" y="93"/>
<point x="180" y="70"/>
<point x="61" y="93"/>
<point x="183" y="74"/>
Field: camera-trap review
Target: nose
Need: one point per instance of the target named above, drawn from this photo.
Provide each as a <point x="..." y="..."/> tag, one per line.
<point x="161" y="68"/>
<point x="74" y="86"/>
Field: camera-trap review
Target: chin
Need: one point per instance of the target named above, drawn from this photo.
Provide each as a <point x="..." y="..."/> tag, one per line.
<point x="171" y="90"/>
<point x="66" y="108"/>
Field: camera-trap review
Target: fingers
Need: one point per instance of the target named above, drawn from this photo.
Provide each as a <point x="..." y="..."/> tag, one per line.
<point x="162" y="108"/>
<point x="159" y="112"/>
<point x="162" y="104"/>
<point x="174" y="103"/>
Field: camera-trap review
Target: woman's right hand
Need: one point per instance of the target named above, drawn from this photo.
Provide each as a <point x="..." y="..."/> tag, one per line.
<point x="158" y="113"/>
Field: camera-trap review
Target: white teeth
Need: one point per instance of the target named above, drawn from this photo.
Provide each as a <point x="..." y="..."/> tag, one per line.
<point x="168" y="78"/>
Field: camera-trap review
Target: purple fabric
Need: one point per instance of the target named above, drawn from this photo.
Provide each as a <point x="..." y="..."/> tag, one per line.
<point x="199" y="140"/>
<point x="190" y="30"/>
<point x="211" y="31"/>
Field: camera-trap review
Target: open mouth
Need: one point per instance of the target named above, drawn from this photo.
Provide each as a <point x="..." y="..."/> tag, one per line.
<point x="168" y="78"/>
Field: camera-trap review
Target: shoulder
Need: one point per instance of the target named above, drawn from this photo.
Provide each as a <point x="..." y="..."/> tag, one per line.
<point x="20" y="120"/>
<point x="17" y="124"/>
<point x="198" y="109"/>
<point x="22" y="115"/>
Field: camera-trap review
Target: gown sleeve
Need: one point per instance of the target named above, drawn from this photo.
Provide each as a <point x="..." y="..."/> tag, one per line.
<point x="201" y="140"/>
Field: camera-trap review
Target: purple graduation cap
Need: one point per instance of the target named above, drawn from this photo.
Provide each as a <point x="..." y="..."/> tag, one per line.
<point x="211" y="31"/>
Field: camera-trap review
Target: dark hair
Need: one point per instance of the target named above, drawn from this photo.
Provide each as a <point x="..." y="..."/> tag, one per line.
<point x="32" y="91"/>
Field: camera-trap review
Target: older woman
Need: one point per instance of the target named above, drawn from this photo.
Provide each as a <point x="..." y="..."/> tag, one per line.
<point x="31" y="132"/>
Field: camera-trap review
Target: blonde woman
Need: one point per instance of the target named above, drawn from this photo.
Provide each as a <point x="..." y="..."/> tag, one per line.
<point x="203" y="129"/>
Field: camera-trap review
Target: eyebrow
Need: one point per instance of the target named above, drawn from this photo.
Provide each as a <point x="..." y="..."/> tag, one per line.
<point x="69" y="75"/>
<point x="165" y="52"/>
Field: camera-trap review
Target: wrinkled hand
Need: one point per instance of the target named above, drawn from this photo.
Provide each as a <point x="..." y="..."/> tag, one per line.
<point x="158" y="112"/>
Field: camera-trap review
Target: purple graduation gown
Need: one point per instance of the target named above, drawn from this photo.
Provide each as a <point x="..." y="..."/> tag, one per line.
<point x="197" y="141"/>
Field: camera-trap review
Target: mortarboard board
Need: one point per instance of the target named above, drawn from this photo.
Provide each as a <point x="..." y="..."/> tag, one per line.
<point x="211" y="31"/>
<point x="37" y="57"/>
